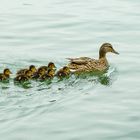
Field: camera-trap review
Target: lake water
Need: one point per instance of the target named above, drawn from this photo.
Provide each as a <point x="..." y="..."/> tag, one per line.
<point x="103" y="107"/>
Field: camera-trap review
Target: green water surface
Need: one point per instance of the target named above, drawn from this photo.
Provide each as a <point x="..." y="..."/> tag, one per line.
<point x="105" y="107"/>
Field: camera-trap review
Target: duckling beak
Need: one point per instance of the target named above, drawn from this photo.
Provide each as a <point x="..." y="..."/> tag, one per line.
<point x="54" y="68"/>
<point x="113" y="51"/>
<point x="35" y="69"/>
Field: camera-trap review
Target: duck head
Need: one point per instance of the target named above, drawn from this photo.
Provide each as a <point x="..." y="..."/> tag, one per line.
<point x="32" y="68"/>
<point x="105" y="48"/>
<point x="51" y="65"/>
<point x="7" y="72"/>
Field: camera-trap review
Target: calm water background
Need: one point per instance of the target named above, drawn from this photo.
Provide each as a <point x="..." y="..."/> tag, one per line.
<point x="36" y="32"/>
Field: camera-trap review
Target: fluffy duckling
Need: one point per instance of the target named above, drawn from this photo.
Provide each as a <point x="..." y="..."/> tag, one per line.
<point x="40" y="72"/>
<point x="86" y="64"/>
<point x="49" y="75"/>
<point x="50" y="65"/>
<point x="24" y="77"/>
<point x="5" y="75"/>
<point x="32" y="68"/>
<point x="63" y="72"/>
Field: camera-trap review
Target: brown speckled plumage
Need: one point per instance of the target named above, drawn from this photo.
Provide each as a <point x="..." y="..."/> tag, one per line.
<point x="86" y="64"/>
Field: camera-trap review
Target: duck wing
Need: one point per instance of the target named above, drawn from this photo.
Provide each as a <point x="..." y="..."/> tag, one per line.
<point x="89" y="65"/>
<point x="80" y="60"/>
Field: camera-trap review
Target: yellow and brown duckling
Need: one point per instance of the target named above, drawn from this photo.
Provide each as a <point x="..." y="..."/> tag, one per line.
<point x="24" y="77"/>
<point x="40" y="72"/>
<point x="86" y="64"/>
<point x="63" y="72"/>
<point x="49" y="75"/>
<point x="32" y="68"/>
<point x="5" y="75"/>
<point x="50" y="65"/>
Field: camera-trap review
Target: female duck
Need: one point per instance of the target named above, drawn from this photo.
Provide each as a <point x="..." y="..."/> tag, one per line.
<point x="5" y="75"/>
<point x="86" y="64"/>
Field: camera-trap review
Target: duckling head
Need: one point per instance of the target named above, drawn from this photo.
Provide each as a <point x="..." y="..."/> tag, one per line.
<point x="41" y="71"/>
<point x="66" y="70"/>
<point x="33" y="68"/>
<point x="7" y="72"/>
<point x="105" y="48"/>
<point x="51" y="65"/>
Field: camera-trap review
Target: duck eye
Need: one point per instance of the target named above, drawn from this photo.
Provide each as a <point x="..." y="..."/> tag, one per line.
<point x="109" y="45"/>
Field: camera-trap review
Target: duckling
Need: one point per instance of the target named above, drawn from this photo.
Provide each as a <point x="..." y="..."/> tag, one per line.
<point x="63" y="72"/>
<point x="5" y="75"/>
<point x="49" y="75"/>
<point x="51" y="65"/>
<point x="40" y="72"/>
<point x="24" y="77"/>
<point x="31" y="67"/>
<point x="86" y="64"/>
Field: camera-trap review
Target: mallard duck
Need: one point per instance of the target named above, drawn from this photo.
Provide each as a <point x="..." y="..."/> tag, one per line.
<point x="5" y="75"/>
<point x="24" y="77"/>
<point x="86" y="64"/>
<point x="40" y="72"/>
<point x="63" y="72"/>
<point x="32" y="68"/>
<point x="49" y="75"/>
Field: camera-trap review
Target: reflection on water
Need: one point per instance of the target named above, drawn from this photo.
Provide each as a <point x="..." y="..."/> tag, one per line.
<point x="103" y="106"/>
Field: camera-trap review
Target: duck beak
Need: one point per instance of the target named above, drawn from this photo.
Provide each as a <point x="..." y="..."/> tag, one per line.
<point x="113" y="51"/>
